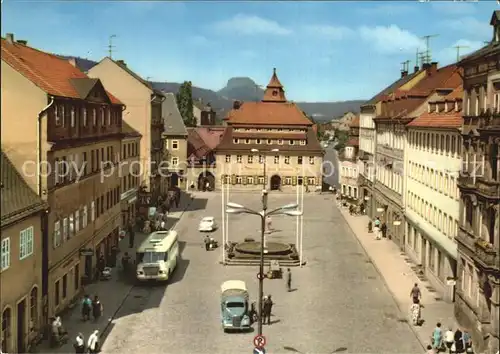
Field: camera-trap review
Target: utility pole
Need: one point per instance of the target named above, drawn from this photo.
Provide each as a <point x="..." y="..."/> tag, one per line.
<point x="110" y="45"/>
<point x="417" y="57"/>
<point x="428" y="55"/>
<point x="458" y="47"/>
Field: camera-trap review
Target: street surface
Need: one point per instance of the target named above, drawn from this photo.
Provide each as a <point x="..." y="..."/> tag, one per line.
<point x="331" y="173"/>
<point x="339" y="301"/>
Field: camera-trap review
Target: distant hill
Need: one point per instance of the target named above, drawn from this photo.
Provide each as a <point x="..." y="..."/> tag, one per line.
<point x="245" y="89"/>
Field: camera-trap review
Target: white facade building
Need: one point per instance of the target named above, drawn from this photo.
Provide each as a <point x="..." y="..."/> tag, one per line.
<point x="433" y="161"/>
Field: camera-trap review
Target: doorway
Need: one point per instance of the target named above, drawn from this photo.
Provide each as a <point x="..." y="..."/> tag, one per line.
<point x="174" y="179"/>
<point x="88" y="267"/>
<point x="300" y="181"/>
<point x="275" y="183"/>
<point x="21" y="326"/>
<point x="206" y="178"/>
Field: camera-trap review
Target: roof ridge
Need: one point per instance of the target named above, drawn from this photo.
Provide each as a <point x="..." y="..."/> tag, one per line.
<point x="28" y="68"/>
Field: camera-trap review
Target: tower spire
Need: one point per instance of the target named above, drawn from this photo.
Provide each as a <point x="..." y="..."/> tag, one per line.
<point x="274" y="90"/>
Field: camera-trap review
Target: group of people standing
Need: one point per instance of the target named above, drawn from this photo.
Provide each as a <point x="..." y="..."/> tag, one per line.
<point x="458" y="341"/>
<point x="93" y="307"/>
<point x="92" y="343"/>
<point x="379" y="228"/>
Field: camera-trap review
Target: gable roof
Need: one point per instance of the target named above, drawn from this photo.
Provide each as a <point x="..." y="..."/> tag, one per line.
<point x="395" y="85"/>
<point x="172" y="119"/>
<point x="49" y="72"/>
<point x="124" y="67"/>
<point x="18" y="200"/>
<point x="202" y="140"/>
<point x="268" y="113"/>
<point x="81" y="63"/>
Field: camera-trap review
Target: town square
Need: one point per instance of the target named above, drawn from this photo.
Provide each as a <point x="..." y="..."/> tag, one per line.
<point x="339" y="194"/>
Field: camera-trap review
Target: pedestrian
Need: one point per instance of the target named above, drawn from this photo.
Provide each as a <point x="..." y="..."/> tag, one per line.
<point x="415" y="294"/>
<point x="268" y="308"/>
<point x="79" y="344"/>
<point x="383" y="229"/>
<point x="376" y="228"/>
<point x="437" y="337"/>
<point x="449" y="339"/>
<point x="93" y="342"/>
<point x="430" y="350"/>
<point x="459" y="341"/>
<point x="96" y="308"/>
<point x="207" y="243"/>
<point x="467" y="341"/>
<point x="269" y="223"/>
<point x="86" y="307"/>
<point x="289" y="280"/>
<point x="415" y="313"/>
<point x="253" y="313"/>
<point x="131" y="234"/>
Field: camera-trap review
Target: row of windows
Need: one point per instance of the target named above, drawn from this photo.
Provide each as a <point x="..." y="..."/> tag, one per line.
<point x="444" y="107"/>
<point x="128" y="182"/>
<point x="269" y="141"/>
<point x="286" y="159"/>
<point x="130" y="150"/>
<point x="26" y="240"/>
<point x="289" y="180"/>
<point x="61" y="285"/>
<point x="447" y="144"/>
<point x="68" y="168"/>
<point x="349" y="172"/>
<point x="477" y="101"/>
<point x="435" y="261"/>
<point x="350" y="191"/>
<point x="104" y="115"/>
<point x="436" y="217"/>
<point x="259" y="130"/>
<point x="67" y="227"/>
<point x="390" y="179"/>
<point x="7" y="320"/>
<point x="470" y="279"/>
<point x="441" y="182"/>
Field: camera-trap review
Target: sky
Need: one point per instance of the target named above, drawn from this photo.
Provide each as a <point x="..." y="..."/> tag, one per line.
<point x="323" y="51"/>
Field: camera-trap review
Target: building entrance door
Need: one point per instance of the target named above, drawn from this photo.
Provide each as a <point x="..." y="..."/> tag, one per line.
<point x="21" y="326"/>
<point x="275" y="183"/>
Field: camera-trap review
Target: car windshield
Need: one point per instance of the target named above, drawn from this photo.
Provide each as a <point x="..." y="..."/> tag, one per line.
<point x="207" y="220"/>
<point x="235" y="305"/>
<point x="151" y="257"/>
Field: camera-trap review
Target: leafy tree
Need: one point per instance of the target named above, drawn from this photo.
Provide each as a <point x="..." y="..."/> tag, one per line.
<point x="341" y="137"/>
<point x="185" y="103"/>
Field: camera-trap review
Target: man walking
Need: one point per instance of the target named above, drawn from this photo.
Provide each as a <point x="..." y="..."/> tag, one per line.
<point x="268" y="307"/>
<point x="207" y="243"/>
<point x="289" y="280"/>
<point x="415" y="294"/>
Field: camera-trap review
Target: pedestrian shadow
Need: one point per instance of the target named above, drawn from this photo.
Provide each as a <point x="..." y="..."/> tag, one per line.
<point x="274" y="322"/>
<point x="292" y="290"/>
<point x="182" y="265"/>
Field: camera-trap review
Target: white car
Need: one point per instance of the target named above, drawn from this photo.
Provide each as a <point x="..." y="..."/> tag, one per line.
<point x="207" y="224"/>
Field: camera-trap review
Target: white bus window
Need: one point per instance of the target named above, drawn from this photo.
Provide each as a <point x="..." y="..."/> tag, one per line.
<point x="151" y="257"/>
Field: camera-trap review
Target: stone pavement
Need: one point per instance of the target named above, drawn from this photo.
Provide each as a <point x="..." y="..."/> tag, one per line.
<point x="400" y="278"/>
<point x="112" y="293"/>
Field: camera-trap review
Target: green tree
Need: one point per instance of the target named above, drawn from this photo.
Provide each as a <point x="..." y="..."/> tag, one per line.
<point x="185" y="103"/>
<point x="341" y="138"/>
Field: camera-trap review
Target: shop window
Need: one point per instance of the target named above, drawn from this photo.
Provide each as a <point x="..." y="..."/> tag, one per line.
<point x="239" y="180"/>
<point x="6" y="329"/>
<point x="34" y="307"/>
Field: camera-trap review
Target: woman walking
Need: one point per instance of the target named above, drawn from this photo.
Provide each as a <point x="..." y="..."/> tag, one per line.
<point x="96" y="308"/>
<point x="93" y="342"/>
<point x="437" y="338"/>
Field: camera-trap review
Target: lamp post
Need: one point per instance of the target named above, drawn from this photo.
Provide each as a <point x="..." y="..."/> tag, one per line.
<point x="257" y="150"/>
<point x="289" y="209"/>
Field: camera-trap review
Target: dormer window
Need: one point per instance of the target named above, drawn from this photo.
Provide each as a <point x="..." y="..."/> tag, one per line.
<point x="257" y="141"/>
<point x="280" y="141"/>
<point x="302" y="142"/>
<point x="291" y="142"/>
<point x="236" y="141"/>
<point x="269" y="141"/>
<point x="428" y="108"/>
<point x="247" y="141"/>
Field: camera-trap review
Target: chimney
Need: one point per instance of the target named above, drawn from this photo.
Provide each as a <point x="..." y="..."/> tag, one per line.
<point x="10" y="38"/>
<point x="404" y="73"/>
<point x="236" y="105"/>
<point x="434" y="67"/>
<point x="22" y="41"/>
<point x="416" y="69"/>
<point x="121" y="62"/>
<point x="426" y="66"/>
<point x="72" y="61"/>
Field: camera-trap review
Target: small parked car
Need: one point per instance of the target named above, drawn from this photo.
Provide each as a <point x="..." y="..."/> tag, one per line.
<point x="207" y="224"/>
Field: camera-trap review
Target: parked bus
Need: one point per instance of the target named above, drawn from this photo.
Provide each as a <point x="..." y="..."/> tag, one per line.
<point x="157" y="256"/>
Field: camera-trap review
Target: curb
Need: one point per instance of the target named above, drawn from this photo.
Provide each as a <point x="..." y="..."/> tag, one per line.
<point x="422" y="343"/>
<point x="127" y="294"/>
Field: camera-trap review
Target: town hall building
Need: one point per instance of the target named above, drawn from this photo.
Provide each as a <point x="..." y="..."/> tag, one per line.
<point x="269" y="144"/>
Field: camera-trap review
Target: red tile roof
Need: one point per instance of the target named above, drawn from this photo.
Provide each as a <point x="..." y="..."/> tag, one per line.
<point x="457" y="94"/>
<point x="47" y="71"/>
<point x="268" y="113"/>
<point x="203" y="140"/>
<point x="438" y="120"/>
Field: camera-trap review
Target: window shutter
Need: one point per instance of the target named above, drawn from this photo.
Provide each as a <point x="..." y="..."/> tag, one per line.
<point x="233" y="179"/>
<point x="223" y="179"/>
<point x="306" y="181"/>
<point x="294" y="180"/>
<point x="244" y="178"/>
<point x="256" y="180"/>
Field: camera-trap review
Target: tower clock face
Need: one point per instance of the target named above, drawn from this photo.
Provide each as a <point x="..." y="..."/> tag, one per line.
<point x="275" y="93"/>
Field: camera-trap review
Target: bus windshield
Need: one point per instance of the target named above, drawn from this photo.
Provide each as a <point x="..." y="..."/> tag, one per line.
<point x="151" y="257"/>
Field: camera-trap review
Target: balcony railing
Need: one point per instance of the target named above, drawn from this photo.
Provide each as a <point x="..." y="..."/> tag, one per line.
<point x="487" y="254"/>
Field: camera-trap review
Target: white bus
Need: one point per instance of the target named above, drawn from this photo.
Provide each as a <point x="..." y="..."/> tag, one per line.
<point x="157" y="256"/>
